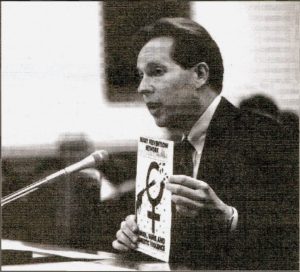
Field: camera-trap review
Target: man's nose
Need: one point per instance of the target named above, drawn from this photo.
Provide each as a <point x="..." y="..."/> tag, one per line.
<point x="145" y="86"/>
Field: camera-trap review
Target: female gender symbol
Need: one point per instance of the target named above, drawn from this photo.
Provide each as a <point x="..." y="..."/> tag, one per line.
<point x="154" y="201"/>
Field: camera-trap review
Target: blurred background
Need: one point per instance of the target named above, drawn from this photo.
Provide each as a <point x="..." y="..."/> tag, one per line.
<point x="69" y="88"/>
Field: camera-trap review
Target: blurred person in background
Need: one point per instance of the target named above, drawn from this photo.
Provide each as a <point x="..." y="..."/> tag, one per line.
<point x="260" y="104"/>
<point x="264" y="105"/>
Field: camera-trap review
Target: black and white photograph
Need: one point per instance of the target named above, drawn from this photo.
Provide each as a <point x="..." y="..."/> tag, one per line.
<point x="150" y="135"/>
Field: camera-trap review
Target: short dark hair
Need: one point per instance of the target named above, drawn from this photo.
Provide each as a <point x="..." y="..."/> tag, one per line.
<point x="192" y="45"/>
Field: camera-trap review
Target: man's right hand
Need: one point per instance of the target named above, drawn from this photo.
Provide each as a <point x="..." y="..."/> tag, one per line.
<point x="127" y="235"/>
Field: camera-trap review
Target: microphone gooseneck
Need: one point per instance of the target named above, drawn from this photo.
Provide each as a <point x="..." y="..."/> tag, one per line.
<point x="95" y="160"/>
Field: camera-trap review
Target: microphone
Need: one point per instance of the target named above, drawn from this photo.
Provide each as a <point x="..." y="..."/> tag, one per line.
<point x="95" y="160"/>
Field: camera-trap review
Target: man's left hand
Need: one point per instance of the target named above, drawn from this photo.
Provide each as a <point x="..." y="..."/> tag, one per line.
<point x="193" y="197"/>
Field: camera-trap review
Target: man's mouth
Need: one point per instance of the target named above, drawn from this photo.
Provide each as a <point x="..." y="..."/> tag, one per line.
<point x="153" y="107"/>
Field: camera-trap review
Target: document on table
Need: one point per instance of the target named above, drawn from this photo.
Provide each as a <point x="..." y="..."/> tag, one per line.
<point x="64" y="266"/>
<point x="52" y="250"/>
<point x="153" y="201"/>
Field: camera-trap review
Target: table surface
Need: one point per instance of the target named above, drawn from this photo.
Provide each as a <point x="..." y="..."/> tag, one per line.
<point x="55" y="258"/>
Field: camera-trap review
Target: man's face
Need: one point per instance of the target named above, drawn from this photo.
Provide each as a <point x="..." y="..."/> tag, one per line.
<point x="168" y="90"/>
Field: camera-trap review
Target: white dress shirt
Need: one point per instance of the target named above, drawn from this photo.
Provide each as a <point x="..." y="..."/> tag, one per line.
<point x="197" y="134"/>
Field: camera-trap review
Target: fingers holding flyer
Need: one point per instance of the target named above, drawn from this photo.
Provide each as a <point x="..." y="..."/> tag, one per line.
<point x="127" y="235"/>
<point x="192" y="196"/>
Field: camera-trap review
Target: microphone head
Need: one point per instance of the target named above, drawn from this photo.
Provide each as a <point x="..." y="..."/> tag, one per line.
<point x="100" y="157"/>
<point x="95" y="160"/>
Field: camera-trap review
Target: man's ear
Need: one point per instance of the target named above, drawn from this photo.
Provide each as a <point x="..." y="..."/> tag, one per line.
<point x="202" y="71"/>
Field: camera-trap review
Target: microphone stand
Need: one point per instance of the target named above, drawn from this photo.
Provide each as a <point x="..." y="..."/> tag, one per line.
<point x="94" y="160"/>
<point x="32" y="187"/>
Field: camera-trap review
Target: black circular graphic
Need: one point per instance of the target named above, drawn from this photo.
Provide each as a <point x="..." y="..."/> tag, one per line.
<point x="154" y="201"/>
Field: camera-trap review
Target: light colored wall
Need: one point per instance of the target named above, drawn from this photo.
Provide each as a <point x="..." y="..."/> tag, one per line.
<point x="260" y="45"/>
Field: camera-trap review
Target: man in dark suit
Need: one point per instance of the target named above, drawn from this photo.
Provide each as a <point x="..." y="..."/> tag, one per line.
<point x="234" y="195"/>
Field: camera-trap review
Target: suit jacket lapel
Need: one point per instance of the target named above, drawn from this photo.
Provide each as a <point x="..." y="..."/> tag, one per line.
<point x="218" y="136"/>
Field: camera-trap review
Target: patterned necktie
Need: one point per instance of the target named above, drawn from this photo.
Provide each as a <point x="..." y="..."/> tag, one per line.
<point x="183" y="158"/>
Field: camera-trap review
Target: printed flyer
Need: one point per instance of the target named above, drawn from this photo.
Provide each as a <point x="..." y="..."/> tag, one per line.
<point x="153" y="201"/>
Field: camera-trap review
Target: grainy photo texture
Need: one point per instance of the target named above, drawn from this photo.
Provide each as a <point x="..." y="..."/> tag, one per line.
<point x="211" y="92"/>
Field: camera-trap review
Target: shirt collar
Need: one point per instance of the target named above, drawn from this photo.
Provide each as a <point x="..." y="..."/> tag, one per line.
<point x="198" y="132"/>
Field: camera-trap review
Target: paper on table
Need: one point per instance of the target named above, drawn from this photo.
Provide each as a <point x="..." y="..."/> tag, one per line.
<point x="47" y="249"/>
<point x="64" y="266"/>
